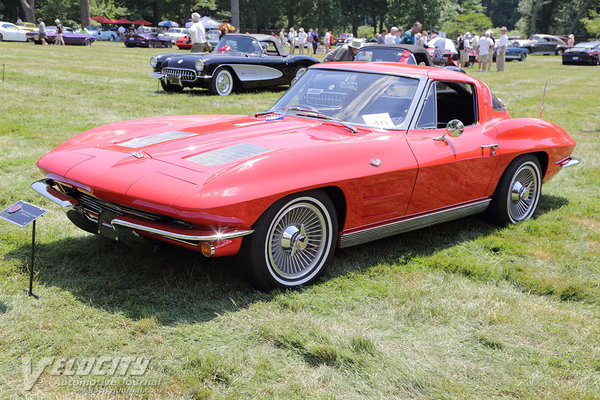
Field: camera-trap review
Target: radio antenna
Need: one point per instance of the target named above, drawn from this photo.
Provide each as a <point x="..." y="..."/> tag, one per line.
<point x="543" y="98"/>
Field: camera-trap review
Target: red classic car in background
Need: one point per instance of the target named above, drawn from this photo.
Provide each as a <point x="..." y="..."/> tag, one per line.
<point x="353" y="152"/>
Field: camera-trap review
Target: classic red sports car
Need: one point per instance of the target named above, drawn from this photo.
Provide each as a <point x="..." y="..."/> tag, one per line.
<point x="353" y="152"/>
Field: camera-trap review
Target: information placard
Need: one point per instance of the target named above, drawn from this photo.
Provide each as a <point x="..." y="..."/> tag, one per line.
<point x="22" y="213"/>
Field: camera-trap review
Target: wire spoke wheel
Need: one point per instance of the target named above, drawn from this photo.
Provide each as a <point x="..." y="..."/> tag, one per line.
<point x="523" y="193"/>
<point x="518" y="192"/>
<point x="297" y="240"/>
<point x="292" y="242"/>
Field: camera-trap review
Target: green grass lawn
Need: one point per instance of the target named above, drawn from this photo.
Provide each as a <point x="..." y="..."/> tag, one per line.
<point x="463" y="310"/>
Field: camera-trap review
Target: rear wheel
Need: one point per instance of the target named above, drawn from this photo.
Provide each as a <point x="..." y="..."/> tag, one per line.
<point x="222" y="82"/>
<point x="518" y="192"/>
<point x="150" y="44"/>
<point x="523" y="57"/>
<point x="86" y="42"/>
<point x="292" y="242"/>
<point x="1" y="37"/>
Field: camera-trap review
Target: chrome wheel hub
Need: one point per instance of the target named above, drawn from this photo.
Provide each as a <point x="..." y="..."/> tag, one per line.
<point x="297" y="241"/>
<point x="223" y="83"/>
<point x="523" y="193"/>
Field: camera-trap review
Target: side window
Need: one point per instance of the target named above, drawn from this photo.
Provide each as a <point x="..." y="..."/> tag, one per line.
<point x="447" y="101"/>
<point x="428" y="118"/>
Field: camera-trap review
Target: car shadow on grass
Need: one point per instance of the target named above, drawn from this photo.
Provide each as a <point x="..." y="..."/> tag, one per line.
<point x="198" y="92"/>
<point x="174" y="285"/>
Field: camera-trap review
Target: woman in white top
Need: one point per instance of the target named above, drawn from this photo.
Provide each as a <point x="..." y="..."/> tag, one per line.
<point x="301" y="40"/>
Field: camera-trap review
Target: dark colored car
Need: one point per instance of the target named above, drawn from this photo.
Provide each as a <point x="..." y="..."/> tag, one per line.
<point x="150" y="40"/>
<point x="238" y="61"/>
<point x="514" y="53"/>
<point x="400" y="53"/>
<point x="544" y="44"/>
<point x="582" y="53"/>
<point x="70" y="37"/>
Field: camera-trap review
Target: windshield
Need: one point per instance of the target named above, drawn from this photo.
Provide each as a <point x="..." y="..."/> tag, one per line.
<point x="374" y="53"/>
<point x="586" y="46"/>
<point x="246" y="45"/>
<point x="358" y="98"/>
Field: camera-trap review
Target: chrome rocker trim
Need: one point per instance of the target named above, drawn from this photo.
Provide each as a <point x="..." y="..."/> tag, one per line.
<point x="411" y="224"/>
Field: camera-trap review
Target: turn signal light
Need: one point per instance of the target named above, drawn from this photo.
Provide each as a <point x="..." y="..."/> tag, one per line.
<point x="208" y="250"/>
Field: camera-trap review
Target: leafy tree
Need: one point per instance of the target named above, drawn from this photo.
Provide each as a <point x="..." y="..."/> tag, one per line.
<point x="592" y="24"/>
<point x="472" y="22"/>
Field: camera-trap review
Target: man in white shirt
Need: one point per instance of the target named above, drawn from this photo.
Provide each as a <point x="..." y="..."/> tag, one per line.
<point x="485" y="43"/>
<point x="327" y="41"/>
<point x="501" y="53"/>
<point x="197" y="34"/>
<point x="292" y="40"/>
<point x="391" y="38"/>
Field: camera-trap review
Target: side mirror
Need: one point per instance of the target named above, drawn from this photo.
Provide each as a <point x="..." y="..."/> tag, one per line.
<point x="455" y="128"/>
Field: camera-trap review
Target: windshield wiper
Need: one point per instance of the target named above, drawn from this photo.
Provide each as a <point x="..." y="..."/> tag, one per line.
<point x="316" y="114"/>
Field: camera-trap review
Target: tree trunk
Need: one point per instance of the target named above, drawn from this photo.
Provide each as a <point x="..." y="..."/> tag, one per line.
<point x="488" y="10"/>
<point x="85" y="12"/>
<point x="155" y="16"/>
<point x="291" y="13"/>
<point x="29" y="10"/>
<point x="187" y="11"/>
<point x="235" y="13"/>
<point x="536" y="7"/>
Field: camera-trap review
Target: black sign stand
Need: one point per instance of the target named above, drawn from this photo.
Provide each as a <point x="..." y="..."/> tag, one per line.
<point x="22" y="213"/>
<point x="30" y="291"/>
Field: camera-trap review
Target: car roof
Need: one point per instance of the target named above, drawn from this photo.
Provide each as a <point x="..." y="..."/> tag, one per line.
<point x="261" y="38"/>
<point x="399" y="69"/>
<point x="410" y="47"/>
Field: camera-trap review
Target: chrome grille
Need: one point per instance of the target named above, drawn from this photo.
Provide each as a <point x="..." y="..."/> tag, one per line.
<point x="180" y="73"/>
<point x="94" y="205"/>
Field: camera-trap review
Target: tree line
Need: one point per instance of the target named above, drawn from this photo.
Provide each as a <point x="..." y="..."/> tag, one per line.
<point x="562" y="17"/>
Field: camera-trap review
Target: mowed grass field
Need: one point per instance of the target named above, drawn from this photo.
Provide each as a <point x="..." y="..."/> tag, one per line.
<point x="462" y="310"/>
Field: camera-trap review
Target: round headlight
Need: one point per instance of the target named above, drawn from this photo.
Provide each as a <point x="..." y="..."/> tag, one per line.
<point x="199" y="65"/>
<point x="153" y="62"/>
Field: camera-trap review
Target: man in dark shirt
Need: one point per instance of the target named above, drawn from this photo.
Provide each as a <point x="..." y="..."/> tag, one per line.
<point x="410" y="36"/>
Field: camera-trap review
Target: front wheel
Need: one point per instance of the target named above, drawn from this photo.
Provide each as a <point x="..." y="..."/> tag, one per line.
<point x="522" y="57"/>
<point x="1" y="37"/>
<point x="292" y="242"/>
<point x="171" y="88"/>
<point x="518" y="192"/>
<point x="87" y="42"/>
<point x="150" y="45"/>
<point x="559" y="52"/>
<point x="222" y="82"/>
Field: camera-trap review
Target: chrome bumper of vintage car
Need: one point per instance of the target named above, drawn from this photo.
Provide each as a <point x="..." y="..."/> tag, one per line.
<point x="568" y="162"/>
<point x="193" y="237"/>
<point x="178" y="76"/>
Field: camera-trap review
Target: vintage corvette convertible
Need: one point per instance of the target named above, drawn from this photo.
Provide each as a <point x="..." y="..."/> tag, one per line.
<point x="352" y="152"/>
<point x="238" y="61"/>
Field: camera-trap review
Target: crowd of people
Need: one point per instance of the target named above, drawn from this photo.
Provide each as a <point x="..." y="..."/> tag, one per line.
<point x="466" y="43"/>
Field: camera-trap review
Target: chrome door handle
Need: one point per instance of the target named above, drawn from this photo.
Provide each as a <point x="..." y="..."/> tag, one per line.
<point x="493" y="147"/>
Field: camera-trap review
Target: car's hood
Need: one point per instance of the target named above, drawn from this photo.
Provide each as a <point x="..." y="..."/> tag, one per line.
<point x="191" y="149"/>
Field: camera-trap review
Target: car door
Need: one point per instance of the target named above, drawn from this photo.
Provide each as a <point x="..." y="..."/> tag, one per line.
<point x="10" y="32"/>
<point x="451" y="170"/>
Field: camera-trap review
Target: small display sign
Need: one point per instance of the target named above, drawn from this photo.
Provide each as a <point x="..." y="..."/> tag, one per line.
<point x="22" y="213"/>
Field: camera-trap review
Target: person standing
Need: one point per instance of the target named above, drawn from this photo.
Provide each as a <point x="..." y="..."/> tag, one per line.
<point x="410" y="36"/>
<point x="315" y="40"/>
<point x="59" y="33"/>
<point x="292" y="40"/>
<point x="502" y="44"/>
<point x="302" y="36"/>
<point x="121" y="32"/>
<point x="42" y="31"/>
<point x="382" y="36"/>
<point x="483" y="56"/>
<point x="327" y="41"/>
<point x="346" y="52"/>
<point x="282" y="37"/>
<point x="197" y="34"/>
<point x="571" y="41"/>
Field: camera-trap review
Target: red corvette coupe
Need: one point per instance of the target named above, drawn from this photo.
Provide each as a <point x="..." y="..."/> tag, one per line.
<point x="353" y="152"/>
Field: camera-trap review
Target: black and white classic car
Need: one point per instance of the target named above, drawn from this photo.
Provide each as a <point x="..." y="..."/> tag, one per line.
<point x="238" y="61"/>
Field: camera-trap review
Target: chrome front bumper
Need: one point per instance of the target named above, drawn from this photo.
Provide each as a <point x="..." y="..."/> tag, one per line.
<point x="192" y="237"/>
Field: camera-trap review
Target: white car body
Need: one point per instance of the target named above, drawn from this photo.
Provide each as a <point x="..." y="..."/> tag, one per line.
<point x="174" y="33"/>
<point x="11" y="32"/>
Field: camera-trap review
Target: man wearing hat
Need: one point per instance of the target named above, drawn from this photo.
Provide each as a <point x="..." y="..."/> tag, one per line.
<point x="346" y="52"/>
<point x="42" y="31"/>
<point x="197" y="34"/>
